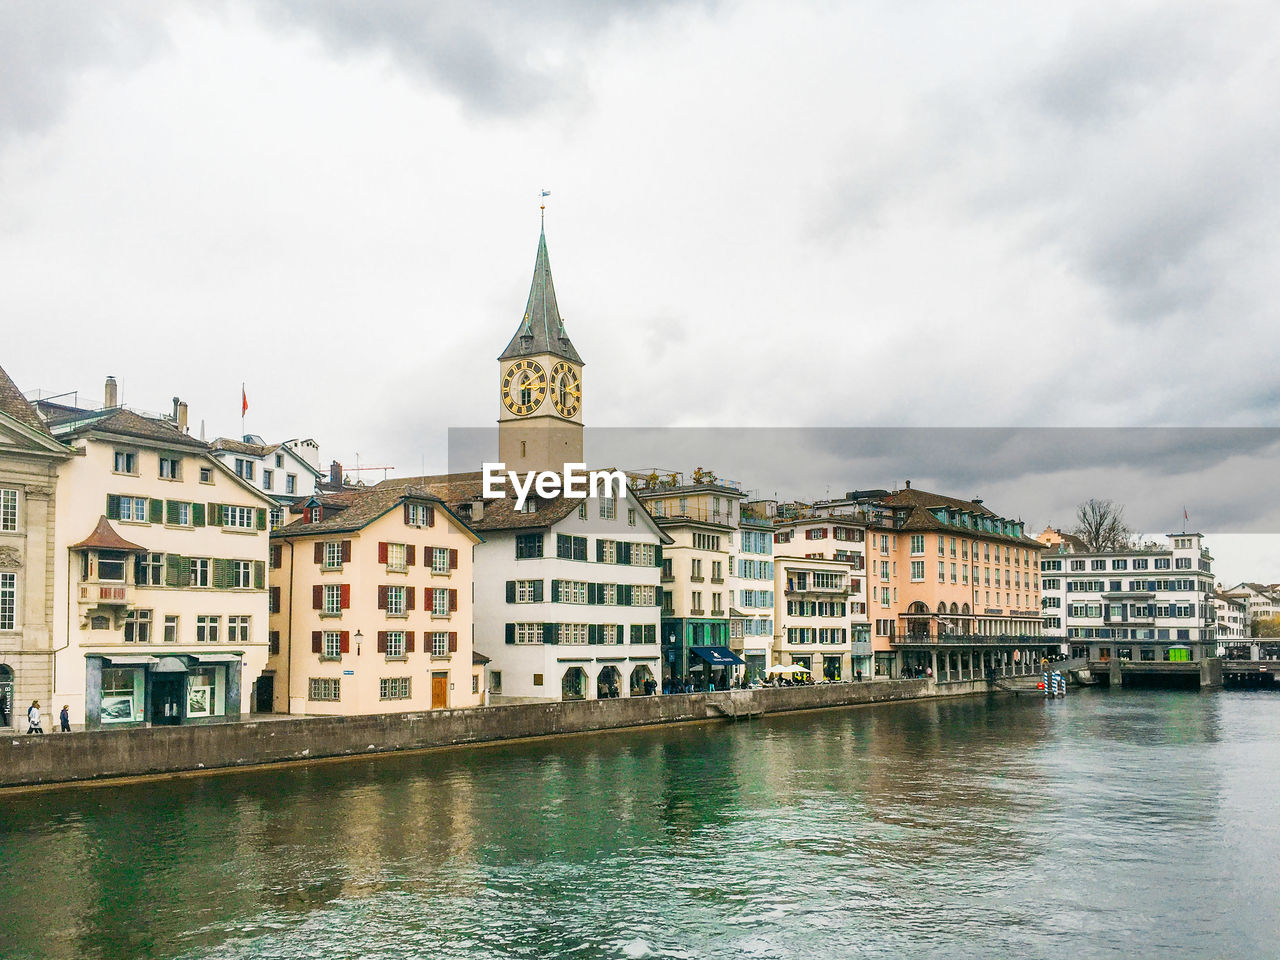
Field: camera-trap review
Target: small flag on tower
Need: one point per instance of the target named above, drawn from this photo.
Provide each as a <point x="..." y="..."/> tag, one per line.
<point x="545" y="193"/>
<point x="244" y="401"/>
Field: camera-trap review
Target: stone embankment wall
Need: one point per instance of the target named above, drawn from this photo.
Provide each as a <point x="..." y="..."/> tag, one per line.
<point x="62" y="758"/>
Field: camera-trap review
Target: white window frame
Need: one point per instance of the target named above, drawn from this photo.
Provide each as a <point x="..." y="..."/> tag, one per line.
<point x="242" y="574"/>
<point x="395" y="601"/>
<point x="332" y="600"/>
<point x="238" y="628"/>
<point x="199" y="571"/>
<point x="331" y="644"/>
<point x="528" y="633"/>
<point x="9" y="510"/>
<point x="439" y="602"/>
<point x="395" y="643"/>
<point x="440" y="643"/>
<point x="439" y="559"/>
<point x="208" y="627"/>
<point x="397" y="556"/>
<point x="237" y="517"/>
<point x="332" y="555"/>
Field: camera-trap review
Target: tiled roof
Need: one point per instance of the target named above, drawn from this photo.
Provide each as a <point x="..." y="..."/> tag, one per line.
<point x="921" y="502"/>
<point x="355" y="509"/>
<point x="541" y="330"/>
<point x="456" y="489"/>
<point x="15" y="405"/>
<point x="73" y="422"/>
<point x="249" y="449"/>
<point x="104" y="537"/>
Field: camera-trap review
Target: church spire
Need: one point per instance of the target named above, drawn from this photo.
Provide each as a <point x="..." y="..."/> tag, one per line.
<point x="541" y="330"/>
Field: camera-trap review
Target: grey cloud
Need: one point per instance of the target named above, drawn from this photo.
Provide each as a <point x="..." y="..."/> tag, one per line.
<point x="45" y="45"/>
<point x="498" y="56"/>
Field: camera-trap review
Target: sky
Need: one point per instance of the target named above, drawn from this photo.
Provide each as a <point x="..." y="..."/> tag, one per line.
<point x="813" y="215"/>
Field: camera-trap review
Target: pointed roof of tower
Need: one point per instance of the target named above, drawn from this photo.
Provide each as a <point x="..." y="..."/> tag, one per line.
<point x="541" y="330"/>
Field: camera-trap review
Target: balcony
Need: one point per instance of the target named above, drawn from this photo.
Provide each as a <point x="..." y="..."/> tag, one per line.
<point x="968" y="639"/>
<point x="106" y="594"/>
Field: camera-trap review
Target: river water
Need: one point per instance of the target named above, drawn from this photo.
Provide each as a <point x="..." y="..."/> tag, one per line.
<point x="1109" y="824"/>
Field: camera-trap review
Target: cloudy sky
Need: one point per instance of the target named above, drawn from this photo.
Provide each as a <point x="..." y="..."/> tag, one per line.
<point x="818" y="214"/>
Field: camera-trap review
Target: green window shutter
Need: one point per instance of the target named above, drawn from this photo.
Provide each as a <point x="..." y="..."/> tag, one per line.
<point x="593" y="633"/>
<point x="155" y="510"/>
<point x="177" y="570"/>
<point x="113" y="506"/>
<point x="215" y="514"/>
<point x="171" y="511"/>
<point x="223" y="574"/>
<point x="599" y="551"/>
<point x="511" y="591"/>
<point x="511" y="633"/>
<point x="537" y="591"/>
<point x="621" y="638"/>
<point x="197" y="514"/>
<point x="261" y="518"/>
<point x="624" y="551"/>
<point x="550" y="633"/>
<point x="657" y="553"/>
<point x="259" y="574"/>
<point x="555" y="591"/>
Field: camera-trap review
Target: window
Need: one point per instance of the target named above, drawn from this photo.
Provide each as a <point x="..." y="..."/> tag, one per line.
<point x="238" y="629"/>
<point x="126" y="461"/>
<point x="393" y="688"/>
<point x="439" y="559"/>
<point x="942" y="571"/>
<point x="439" y="644"/>
<point x="323" y="688"/>
<point x="207" y="629"/>
<point x="1182" y="563"/>
<point x="291" y="486"/>
<point x="241" y="517"/>
<point x="177" y="513"/>
<point x="332" y="598"/>
<point x="199" y="571"/>
<point x="608" y="508"/>
<point x="206" y="474"/>
<point x="528" y="546"/>
<point x="528" y="591"/>
<point x="170" y="628"/>
<point x="1162" y="563"/>
<point x="917" y="570"/>
<point x="133" y="509"/>
<point x="244" y="469"/>
<point x="475" y="683"/>
<point x="170" y="468"/>
<point x="333" y="554"/>
<point x="439" y="603"/>
<point x="631" y="516"/>
<point x="696" y="568"/>
<point x="277" y="517"/>
<point x="241" y="574"/>
<point x="397" y="557"/>
<point x="268" y="477"/>
<point x="137" y="627"/>
<point x="8" y="510"/>
<point x="395" y="643"/>
<point x="331" y="644"/>
<point x="395" y="601"/>
<point x="528" y="633"/>
<point x="582" y="510"/>
<point x="148" y="570"/>
<point x="917" y="544"/>
<point x="706" y="541"/>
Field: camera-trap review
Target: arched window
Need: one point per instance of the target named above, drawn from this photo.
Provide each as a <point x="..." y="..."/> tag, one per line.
<point x="964" y="609"/>
<point x="918" y="607"/>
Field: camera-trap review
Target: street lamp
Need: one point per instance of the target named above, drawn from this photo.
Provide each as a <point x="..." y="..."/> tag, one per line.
<point x="359" y="637"/>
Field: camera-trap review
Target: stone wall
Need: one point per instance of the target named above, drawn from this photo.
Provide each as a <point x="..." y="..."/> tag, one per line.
<point x="60" y="758"/>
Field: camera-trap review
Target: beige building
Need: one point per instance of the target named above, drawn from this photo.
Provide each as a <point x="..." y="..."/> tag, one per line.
<point x="371" y="593"/>
<point x="29" y="460"/>
<point x="160" y="594"/>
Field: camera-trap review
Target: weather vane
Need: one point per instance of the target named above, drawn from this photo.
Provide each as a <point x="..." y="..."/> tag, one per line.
<point x="543" y="195"/>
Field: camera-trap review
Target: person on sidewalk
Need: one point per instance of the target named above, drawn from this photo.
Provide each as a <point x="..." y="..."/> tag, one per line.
<point x="64" y="718"/>
<point x="33" y="718"/>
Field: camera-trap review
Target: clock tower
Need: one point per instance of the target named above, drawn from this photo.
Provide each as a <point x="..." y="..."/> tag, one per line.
<point x="540" y="383"/>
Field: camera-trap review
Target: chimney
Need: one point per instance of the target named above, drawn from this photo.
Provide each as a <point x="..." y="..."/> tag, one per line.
<point x="477" y="510"/>
<point x="335" y="473"/>
<point x="908" y="484"/>
<point x="182" y="415"/>
<point x="111" y="394"/>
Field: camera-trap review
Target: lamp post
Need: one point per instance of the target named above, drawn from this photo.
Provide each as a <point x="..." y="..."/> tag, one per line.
<point x="359" y="637"/>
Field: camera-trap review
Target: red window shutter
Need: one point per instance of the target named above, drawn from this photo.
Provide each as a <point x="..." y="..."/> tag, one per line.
<point x="345" y="600"/>
<point x="382" y="552"/>
<point x="453" y="600"/>
<point x="408" y="641"/>
<point x="275" y="599"/>
<point x="408" y="598"/>
<point x="319" y="552"/>
<point x="317" y="641"/>
<point x="382" y="641"/>
<point x="277" y="552"/>
<point x="344" y="642"/>
<point x="409" y="557"/>
<point x="431" y="516"/>
<point x="346" y="551"/>
<point x="453" y="559"/>
<point x="382" y="598"/>
<point x="406" y="513"/>
<point x="453" y="641"/>
<point x="317" y="597"/>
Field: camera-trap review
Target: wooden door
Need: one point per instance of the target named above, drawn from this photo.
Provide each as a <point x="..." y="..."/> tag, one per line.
<point x="439" y="690"/>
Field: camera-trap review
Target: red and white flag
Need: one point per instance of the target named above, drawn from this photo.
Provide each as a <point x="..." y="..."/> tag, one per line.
<point x="244" y="401"/>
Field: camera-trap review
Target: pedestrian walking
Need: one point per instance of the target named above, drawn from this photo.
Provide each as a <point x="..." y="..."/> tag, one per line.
<point x="33" y="718"/>
<point x="64" y="718"/>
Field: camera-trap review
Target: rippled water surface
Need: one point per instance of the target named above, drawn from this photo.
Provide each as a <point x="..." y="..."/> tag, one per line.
<point x="1136" y="824"/>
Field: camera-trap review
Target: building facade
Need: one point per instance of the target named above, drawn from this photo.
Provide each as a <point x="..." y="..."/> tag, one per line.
<point x="1231" y="620"/>
<point x="1147" y="604"/>
<point x="160" y="593"/>
<point x="372" y="607"/>
<point x="1261" y="600"/>
<point x="753" y="592"/>
<point x="286" y="472"/>
<point x="29" y="461"/>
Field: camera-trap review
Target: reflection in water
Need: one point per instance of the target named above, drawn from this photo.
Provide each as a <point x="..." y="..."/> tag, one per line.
<point x="1111" y="822"/>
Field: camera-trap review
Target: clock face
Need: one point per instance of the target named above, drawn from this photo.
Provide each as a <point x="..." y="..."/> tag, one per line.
<point x="524" y="386"/>
<point x="566" y="389"/>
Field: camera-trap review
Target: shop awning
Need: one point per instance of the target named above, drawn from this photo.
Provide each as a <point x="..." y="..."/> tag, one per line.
<point x="131" y="661"/>
<point x="717" y="656"/>
<point x="217" y="657"/>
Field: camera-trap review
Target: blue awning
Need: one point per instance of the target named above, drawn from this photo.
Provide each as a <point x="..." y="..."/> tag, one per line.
<point x="717" y="656"/>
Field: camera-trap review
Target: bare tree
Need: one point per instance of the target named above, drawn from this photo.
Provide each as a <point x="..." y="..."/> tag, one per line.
<point x="1100" y="524"/>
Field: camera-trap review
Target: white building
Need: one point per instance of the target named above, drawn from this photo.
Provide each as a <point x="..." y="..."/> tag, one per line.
<point x="1231" y="617"/>
<point x="753" y="590"/>
<point x="160" y="593"/>
<point x="1261" y="600"/>
<point x="1149" y="603"/>
<point x="286" y="471"/>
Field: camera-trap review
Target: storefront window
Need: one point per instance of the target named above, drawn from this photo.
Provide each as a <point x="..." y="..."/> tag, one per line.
<point x="121" y="695"/>
<point x="201" y="686"/>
